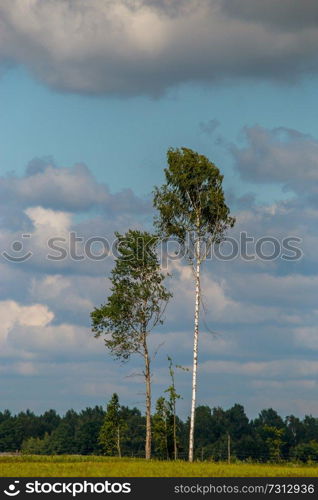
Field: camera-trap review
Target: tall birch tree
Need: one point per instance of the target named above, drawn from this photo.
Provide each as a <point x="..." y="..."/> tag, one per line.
<point x="192" y="209"/>
<point x="135" y="306"/>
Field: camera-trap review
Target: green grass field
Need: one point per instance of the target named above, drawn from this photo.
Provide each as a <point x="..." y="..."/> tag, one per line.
<point x="88" y="466"/>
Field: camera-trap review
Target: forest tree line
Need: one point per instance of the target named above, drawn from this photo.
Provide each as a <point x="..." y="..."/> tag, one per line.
<point x="219" y="435"/>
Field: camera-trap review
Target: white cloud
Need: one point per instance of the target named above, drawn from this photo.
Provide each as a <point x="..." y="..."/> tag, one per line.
<point x="13" y="314"/>
<point x="184" y="291"/>
<point x="54" y="340"/>
<point x="217" y="298"/>
<point x="49" y="220"/>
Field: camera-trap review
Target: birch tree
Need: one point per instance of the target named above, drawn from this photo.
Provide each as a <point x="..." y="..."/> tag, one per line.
<point x="135" y="306"/>
<point x="192" y="209"/>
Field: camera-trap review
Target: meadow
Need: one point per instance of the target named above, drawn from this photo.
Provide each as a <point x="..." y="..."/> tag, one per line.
<point x="96" y="466"/>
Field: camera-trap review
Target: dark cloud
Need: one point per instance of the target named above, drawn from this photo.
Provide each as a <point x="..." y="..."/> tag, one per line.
<point x="169" y="7"/>
<point x="145" y="46"/>
<point x="288" y="15"/>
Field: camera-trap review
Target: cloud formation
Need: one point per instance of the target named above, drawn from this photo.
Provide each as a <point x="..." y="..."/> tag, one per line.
<point x="145" y="46"/>
<point x="12" y="314"/>
<point x="73" y="189"/>
<point x="280" y="155"/>
<point x="288" y="15"/>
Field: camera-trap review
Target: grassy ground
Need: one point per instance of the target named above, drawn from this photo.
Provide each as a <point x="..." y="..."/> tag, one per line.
<point x="84" y="466"/>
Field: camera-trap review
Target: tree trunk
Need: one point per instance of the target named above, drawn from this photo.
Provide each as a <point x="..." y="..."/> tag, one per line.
<point x="175" y="449"/>
<point x="195" y="350"/>
<point x="148" y="402"/>
<point x="228" y="448"/>
<point x="166" y="438"/>
<point x="118" y="442"/>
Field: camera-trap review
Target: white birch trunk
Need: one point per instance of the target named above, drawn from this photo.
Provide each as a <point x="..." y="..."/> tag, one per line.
<point x="195" y="350"/>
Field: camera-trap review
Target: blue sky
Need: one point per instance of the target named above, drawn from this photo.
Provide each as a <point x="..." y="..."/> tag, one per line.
<point x="124" y="141"/>
<point x="85" y="123"/>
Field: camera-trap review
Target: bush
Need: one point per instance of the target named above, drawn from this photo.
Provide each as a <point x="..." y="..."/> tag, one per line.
<point x="36" y="446"/>
<point x="306" y="452"/>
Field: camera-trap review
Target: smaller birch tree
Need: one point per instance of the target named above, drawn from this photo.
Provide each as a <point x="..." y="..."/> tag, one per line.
<point x="135" y="306"/>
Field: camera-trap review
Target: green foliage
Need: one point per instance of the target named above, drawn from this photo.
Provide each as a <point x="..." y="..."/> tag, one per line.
<point x="78" y="433"/>
<point x="110" y="434"/>
<point x="11" y="434"/>
<point x="274" y="442"/>
<point x="270" y="418"/>
<point x="63" y="437"/>
<point x="49" y="421"/>
<point x="133" y="439"/>
<point x="218" y="450"/>
<point x="306" y="452"/>
<point x="138" y="296"/>
<point x="161" y="425"/>
<point x="192" y="200"/>
<point x="74" y="433"/>
<point x="171" y="390"/>
<point x="87" y="431"/>
<point x="310" y="425"/>
<point x="37" y="446"/>
<point x="237" y="421"/>
<point x="295" y="431"/>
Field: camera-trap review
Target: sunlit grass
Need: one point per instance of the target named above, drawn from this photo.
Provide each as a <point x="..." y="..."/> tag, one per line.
<point x="95" y="466"/>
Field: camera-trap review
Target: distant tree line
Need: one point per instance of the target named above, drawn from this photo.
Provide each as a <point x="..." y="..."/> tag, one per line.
<point x="220" y="435"/>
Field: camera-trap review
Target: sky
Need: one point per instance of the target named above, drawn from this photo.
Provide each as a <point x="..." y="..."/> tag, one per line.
<point x="92" y="95"/>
